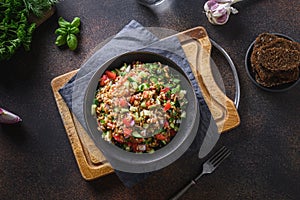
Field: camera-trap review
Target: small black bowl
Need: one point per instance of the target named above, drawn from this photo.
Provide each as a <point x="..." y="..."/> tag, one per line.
<point x="146" y="162"/>
<point x="251" y="74"/>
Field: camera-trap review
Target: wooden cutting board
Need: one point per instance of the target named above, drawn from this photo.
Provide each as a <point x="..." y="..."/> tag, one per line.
<point x="196" y="44"/>
<point x="197" y="47"/>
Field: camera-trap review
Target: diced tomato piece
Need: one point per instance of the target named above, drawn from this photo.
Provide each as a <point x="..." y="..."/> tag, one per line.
<point x="160" y="136"/>
<point x="103" y="79"/>
<point x="111" y="74"/>
<point x="148" y="103"/>
<point x="123" y="102"/>
<point x="166" y="124"/>
<point x="167" y="106"/>
<point x="131" y="99"/>
<point x="133" y="145"/>
<point x="164" y="90"/>
<point x="118" y="138"/>
<point x="127" y="132"/>
<point x="102" y="82"/>
<point x="127" y="121"/>
<point x="145" y="94"/>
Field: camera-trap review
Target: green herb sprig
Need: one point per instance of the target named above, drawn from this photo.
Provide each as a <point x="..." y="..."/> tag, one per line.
<point x="15" y="29"/>
<point x="67" y="32"/>
<point x="38" y="7"/>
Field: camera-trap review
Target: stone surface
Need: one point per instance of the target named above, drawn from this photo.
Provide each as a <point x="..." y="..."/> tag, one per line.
<point x="36" y="158"/>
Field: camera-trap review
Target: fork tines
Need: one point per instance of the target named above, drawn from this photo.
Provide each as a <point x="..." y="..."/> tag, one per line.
<point x="219" y="156"/>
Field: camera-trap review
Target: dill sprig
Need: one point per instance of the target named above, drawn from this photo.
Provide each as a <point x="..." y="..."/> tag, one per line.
<point x="38" y="7"/>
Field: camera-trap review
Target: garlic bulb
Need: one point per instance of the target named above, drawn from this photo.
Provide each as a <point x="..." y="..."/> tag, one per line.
<point x="218" y="11"/>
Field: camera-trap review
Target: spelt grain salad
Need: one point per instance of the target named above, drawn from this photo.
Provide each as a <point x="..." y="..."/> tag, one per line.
<point x="139" y="106"/>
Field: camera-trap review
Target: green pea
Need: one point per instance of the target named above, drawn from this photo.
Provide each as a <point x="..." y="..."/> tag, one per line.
<point x="75" y="22"/>
<point x="63" y="23"/>
<point x="72" y="41"/>
<point x="60" y="40"/>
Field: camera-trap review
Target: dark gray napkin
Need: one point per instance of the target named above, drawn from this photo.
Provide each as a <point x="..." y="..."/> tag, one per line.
<point x="135" y="37"/>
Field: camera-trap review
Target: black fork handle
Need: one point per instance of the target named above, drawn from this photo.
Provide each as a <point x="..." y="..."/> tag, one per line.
<point x="183" y="190"/>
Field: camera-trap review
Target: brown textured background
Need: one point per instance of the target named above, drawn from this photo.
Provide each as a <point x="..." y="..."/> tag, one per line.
<point x="36" y="158"/>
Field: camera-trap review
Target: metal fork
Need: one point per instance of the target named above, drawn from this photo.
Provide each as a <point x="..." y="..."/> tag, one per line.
<point x="208" y="167"/>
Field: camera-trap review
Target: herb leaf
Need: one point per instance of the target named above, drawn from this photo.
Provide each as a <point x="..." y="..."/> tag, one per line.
<point x="15" y="29"/>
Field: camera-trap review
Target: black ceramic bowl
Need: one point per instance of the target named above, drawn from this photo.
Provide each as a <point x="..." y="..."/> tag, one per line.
<point x="143" y="162"/>
<point x="251" y="74"/>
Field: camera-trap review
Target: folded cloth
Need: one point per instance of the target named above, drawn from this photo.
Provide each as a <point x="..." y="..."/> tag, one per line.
<point x="131" y="38"/>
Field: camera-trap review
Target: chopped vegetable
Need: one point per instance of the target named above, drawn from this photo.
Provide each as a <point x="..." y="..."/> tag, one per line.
<point x="93" y="109"/>
<point x="127" y="132"/>
<point x="167" y="106"/>
<point x="165" y="90"/>
<point x="110" y="74"/>
<point x="130" y="79"/>
<point x="160" y="136"/>
<point x="103" y="80"/>
<point x="136" y="113"/>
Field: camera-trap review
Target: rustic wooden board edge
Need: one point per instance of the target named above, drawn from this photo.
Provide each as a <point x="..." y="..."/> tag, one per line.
<point x="211" y="90"/>
<point x="87" y="169"/>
